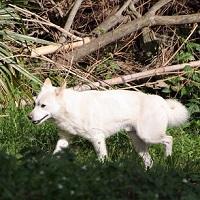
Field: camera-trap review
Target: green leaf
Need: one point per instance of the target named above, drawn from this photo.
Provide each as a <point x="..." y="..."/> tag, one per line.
<point x="194" y="108"/>
<point x="166" y="90"/>
<point x="23" y="38"/>
<point x="184" y="91"/>
<point x="191" y="46"/>
<point x="185" y="57"/>
<point x="188" y="68"/>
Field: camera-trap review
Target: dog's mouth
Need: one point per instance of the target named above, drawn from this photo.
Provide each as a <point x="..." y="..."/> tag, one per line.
<point x="40" y="120"/>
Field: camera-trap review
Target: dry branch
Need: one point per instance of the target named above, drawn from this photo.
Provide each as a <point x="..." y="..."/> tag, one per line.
<point x="157" y="6"/>
<point x="129" y="28"/>
<point x="70" y="19"/>
<point x="133" y="10"/>
<point x="146" y="20"/>
<point x="43" y="50"/>
<point x="137" y="76"/>
<point x="105" y="26"/>
<point x="175" y="20"/>
<point x="112" y="20"/>
<point x="147" y="33"/>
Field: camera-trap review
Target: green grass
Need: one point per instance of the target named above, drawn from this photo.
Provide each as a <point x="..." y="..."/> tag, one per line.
<point x="30" y="171"/>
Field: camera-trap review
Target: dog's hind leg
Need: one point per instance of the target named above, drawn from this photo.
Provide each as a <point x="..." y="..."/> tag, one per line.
<point x="99" y="144"/>
<point x="151" y="130"/>
<point x="168" y="143"/>
<point x="142" y="149"/>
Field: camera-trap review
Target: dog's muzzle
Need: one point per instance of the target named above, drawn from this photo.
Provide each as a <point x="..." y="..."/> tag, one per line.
<point x="37" y="121"/>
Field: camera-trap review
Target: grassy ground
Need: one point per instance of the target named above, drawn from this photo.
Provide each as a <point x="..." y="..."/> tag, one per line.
<point x="29" y="171"/>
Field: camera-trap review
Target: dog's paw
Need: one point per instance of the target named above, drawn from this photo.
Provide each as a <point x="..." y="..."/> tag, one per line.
<point x="56" y="151"/>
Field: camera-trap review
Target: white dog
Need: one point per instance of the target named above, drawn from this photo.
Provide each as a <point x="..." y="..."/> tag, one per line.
<point x="96" y="115"/>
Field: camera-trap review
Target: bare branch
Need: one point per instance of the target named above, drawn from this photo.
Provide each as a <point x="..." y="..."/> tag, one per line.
<point x="137" y="76"/>
<point x="112" y="20"/>
<point x="157" y="6"/>
<point x="43" y="50"/>
<point x="147" y="33"/>
<point x="52" y="48"/>
<point x="70" y="19"/>
<point x="129" y="28"/>
<point x="133" y="9"/>
<point x="175" y="20"/>
<point x="126" y="4"/>
<point x="107" y="38"/>
<point x="109" y="23"/>
<point x="48" y="23"/>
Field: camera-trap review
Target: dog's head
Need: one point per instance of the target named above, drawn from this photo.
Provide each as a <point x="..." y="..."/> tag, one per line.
<point x="46" y="103"/>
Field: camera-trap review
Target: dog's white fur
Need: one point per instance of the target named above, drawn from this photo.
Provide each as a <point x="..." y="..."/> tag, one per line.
<point x="96" y="115"/>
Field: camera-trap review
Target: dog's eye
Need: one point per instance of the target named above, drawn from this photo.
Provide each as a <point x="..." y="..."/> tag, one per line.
<point x="43" y="105"/>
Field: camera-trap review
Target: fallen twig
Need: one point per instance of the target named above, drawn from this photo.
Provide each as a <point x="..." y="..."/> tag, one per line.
<point x="137" y="76"/>
<point x="43" y="50"/>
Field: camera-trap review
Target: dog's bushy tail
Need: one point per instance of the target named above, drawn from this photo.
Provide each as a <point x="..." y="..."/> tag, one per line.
<point x="177" y="113"/>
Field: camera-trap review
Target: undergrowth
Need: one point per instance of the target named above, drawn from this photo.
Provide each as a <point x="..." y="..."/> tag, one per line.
<point x="30" y="171"/>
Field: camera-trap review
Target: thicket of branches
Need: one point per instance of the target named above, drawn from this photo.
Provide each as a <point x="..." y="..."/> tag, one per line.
<point x="99" y="43"/>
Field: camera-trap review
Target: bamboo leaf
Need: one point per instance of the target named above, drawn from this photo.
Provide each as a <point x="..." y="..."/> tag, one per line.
<point x="23" y="38"/>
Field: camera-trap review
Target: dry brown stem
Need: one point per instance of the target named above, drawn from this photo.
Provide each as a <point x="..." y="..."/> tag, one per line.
<point x="157" y="6"/>
<point x="43" y="21"/>
<point x="112" y="20"/>
<point x="43" y="50"/>
<point x="192" y="31"/>
<point x="147" y="33"/>
<point x="70" y="19"/>
<point x="129" y="28"/>
<point x="137" y="76"/>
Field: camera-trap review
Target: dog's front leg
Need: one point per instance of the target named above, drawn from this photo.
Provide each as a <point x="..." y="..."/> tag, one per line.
<point x="61" y="144"/>
<point x="99" y="144"/>
<point x="63" y="141"/>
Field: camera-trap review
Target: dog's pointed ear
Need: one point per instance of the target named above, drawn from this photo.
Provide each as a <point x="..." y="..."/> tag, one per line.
<point x="61" y="88"/>
<point x="47" y="82"/>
